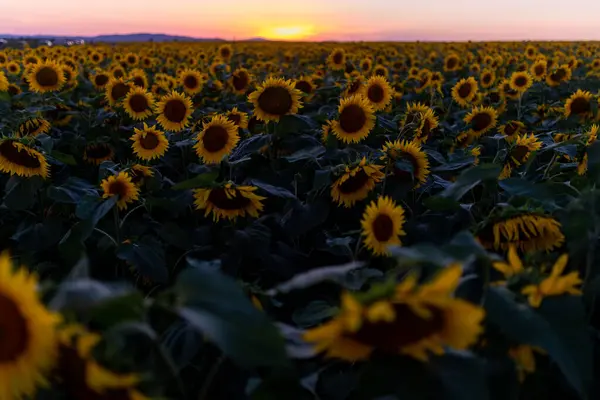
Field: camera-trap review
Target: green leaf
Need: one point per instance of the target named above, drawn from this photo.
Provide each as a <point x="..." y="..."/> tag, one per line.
<point x="471" y="178"/>
<point x="216" y="306"/>
<point x="272" y="190"/>
<point x="462" y="375"/>
<point x="322" y="179"/>
<point x="21" y="193"/>
<point x="309" y="153"/>
<point x="313" y="314"/>
<point x="93" y="208"/>
<point x="63" y="158"/>
<point x="148" y="258"/>
<point x="116" y="310"/>
<point x="72" y="191"/>
<point x="203" y="180"/>
<point x="294" y="124"/>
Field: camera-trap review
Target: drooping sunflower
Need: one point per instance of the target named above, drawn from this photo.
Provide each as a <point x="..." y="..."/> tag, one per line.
<point x="538" y="70"/>
<point x="415" y="320"/>
<point x="239" y="118"/>
<point x="579" y="104"/>
<point x="217" y="139"/>
<point x="275" y="98"/>
<point x="378" y="92"/>
<point x="138" y="103"/>
<point x="96" y="153"/>
<point x="355" y="121"/>
<point x="229" y="201"/>
<point x="33" y="127"/>
<point x="382" y="224"/>
<point x="560" y="74"/>
<point x="520" y="152"/>
<point x="100" y="79"/>
<point x="29" y="340"/>
<point x="19" y="159"/>
<point x="45" y="77"/>
<point x="429" y="122"/>
<point x="240" y="80"/>
<point x="487" y="78"/>
<point x="326" y="131"/>
<point x="465" y="91"/>
<point x="526" y="231"/>
<point x="520" y="82"/>
<point x="122" y="186"/>
<point x="337" y="59"/>
<point x="191" y="81"/>
<point x="356" y="183"/>
<point x="512" y="129"/>
<point x="411" y="154"/>
<point x="413" y="115"/>
<point x="353" y="86"/>
<point x="592" y="136"/>
<point x="139" y="173"/>
<point x="481" y="120"/>
<point x="174" y="111"/>
<point x="149" y="143"/>
<point x="116" y="90"/>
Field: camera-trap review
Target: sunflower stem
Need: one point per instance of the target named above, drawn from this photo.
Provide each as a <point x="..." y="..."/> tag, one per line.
<point x="117" y="225"/>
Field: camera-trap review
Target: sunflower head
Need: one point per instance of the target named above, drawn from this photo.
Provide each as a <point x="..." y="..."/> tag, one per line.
<point x="139" y="173"/>
<point x="519" y="153"/>
<point x="464" y="91"/>
<point x="378" y="92"/>
<point x="19" y="159"/>
<point x="512" y="129"/>
<point x="579" y="104"/>
<point x="116" y="90"/>
<point x="275" y="98"/>
<point x="97" y="153"/>
<point x="538" y="70"/>
<point x="240" y="80"/>
<point x="382" y="224"/>
<point x="356" y="182"/>
<point x="229" y="201"/>
<point x="239" y="118"/>
<point x="217" y="139"/>
<point x="451" y="62"/>
<point x="521" y="81"/>
<point x="487" y="78"/>
<point x="100" y="79"/>
<point x="45" y="77"/>
<point x="355" y="121"/>
<point x="120" y="185"/>
<point x="407" y="161"/>
<point x="191" y="81"/>
<point x="149" y="143"/>
<point x="337" y="59"/>
<point x="174" y="111"/>
<point x="33" y="127"/>
<point x="481" y="120"/>
<point x="138" y="103"/>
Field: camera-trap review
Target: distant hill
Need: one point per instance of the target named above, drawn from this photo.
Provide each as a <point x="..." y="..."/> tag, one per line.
<point x="133" y="37"/>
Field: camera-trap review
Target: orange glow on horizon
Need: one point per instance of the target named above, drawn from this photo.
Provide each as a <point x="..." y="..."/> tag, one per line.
<point x="290" y="32"/>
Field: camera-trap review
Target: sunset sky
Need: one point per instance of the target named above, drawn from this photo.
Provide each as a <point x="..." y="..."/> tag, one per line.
<point x="308" y="19"/>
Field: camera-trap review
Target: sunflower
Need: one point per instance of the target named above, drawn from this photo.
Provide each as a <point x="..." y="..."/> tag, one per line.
<point x="149" y="143"/>
<point x="191" y="81"/>
<point x="240" y="80"/>
<point x="538" y="70"/>
<point x="132" y="59"/>
<point x="356" y="183"/>
<point x="579" y="104"/>
<point x="353" y="86"/>
<point x="275" y="98"/>
<point x="592" y="136"/>
<point x="45" y="77"/>
<point x="382" y="224"/>
<point x="13" y="89"/>
<point x="481" y="120"/>
<point x="512" y="129"/>
<point x="239" y="118"/>
<point x="96" y="153"/>
<point x="116" y="90"/>
<point x="174" y="111"/>
<point x="464" y="91"/>
<point x="19" y="159"/>
<point x="122" y="186"/>
<point x="13" y="68"/>
<point x="557" y="76"/>
<point x="380" y="70"/>
<point x="326" y="131"/>
<point x="337" y="59"/>
<point x="520" y="153"/>
<point x="451" y="63"/>
<point x="408" y="318"/>
<point x="29" y="341"/>
<point x="100" y="79"/>
<point x="33" y="127"/>
<point x="225" y="51"/>
<point x="507" y="90"/>
<point x="355" y="121"/>
<point x="414" y="113"/>
<point x="138" y="103"/>
<point x="229" y="201"/>
<point x="520" y="82"/>
<point x="217" y="139"/>
<point x="306" y="86"/>
<point x="138" y="78"/>
<point x="378" y="92"/>
<point x="411" y="156"/>
<point x="487" y="78"/>
<point x="429" y="122"/>
<point x="526" y="231"/>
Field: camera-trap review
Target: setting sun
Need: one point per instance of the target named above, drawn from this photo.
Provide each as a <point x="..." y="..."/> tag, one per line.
<point x="288" y="32"/>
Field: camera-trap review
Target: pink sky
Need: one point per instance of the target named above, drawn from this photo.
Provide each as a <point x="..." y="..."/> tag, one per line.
<point x="309" y="19"/>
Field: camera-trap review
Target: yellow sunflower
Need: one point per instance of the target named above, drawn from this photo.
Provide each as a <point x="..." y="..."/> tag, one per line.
<point x="116" y="90"/>
<point x="382" y="224"/>
<point x="120" y="185"/>
<point x="96" y="153"/>
<point x="487" y="78"/>
<point x="512" y="129"/>
<point x="13" y="68"/>
<point x="13" y="89"/>
<point x="138" y="78"/>
<point x="138" y="103"/>
<point x="355" y="121"/>
<point x="217" y="139"/>
<point x="481" y="120"/>
<point x="19" y="159"/>
<point x="356" y="183"/>
<point x="527" y="231"/>
<point x="3" y="82"/>
<point x="225" y="51"/>
<point x="538" y="70"/>
<point x="520" y="82"/>
<point x="592" y="136"/>
<point x="139" y="173"/>
<point x="229" y="201"/>
<point x="29" y="340"/>
<point x="429" y="122"/>
<point x="378" y="92"/>
<point x="306" y="85"/>
<point x="579" y="104"/>
<point x="520" y="153"/>
<point x="410" y="153"/>
<point x="174" y="111"/>
<point x="240" y="80"/>
<point x="149" y="143"/>
<point x="451" y="63"/>
<point x="45" y="77"/>
<point x="561" y="74"/>
<point x="239" y="118"/>
<point x="337" y="59"/>
<point x="33" y="127"/>
<point x="414" y="320"/>
<point x="275" y="98"/>
<point x="100" y="79"/>
<point x="191" y="81"/>
<point x="465" y="91"/>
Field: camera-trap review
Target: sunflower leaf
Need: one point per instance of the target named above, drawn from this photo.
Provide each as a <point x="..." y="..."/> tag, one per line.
<point x="203" y="180"/>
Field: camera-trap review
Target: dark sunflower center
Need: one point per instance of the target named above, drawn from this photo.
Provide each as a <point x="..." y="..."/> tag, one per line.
<point x="219" y="198"/>
<point x="539" y="70"/>
<point x="225" y="53"/>
<point x="481" y="121"/>
<point x="487" y="78"/>
<point x="149" y="142"/>
<point x="355" y="183"/>
<point x="383" y="227"/>
<point x="352" y="118"/>
<point x="240" y="81"/>
<point x="12" y="68"/>
<point x="464" y="90"/>
<point x="118" y="73"/>
<point x="175" y="110"/>
<point x="215" y="138"/>
<point x="139" y="82"/>
<point x="304" y="86"/>
<point x="451" y="63"/>
<point x="235" y="118"/>
<point x="408" y="328"/>
<point x="97" y="151"/>
<point x="138" y="103"/>
<point x="275" y="100"/>
<point x="119" y="91"/>
<point x="426" y="129"/>
<point x="338" y="58"/>
<point x="190" y="82"/>
<point x="511" y="128"/>
<point x="101" y="79"/>
<point x="14" y="333"/>
<point x="375" y="93"/>
<point x="580" y="105"/>
<point x="495" y="97"/>
<point x="519" y="153"/>
<point x="31" y="60"/>
<point x="520" y="81"/>
<point x="380" y="72"/>
<point x="354" y="87"/>
<point x="9" y="151"/>
<point x="13" y="90"/>
<point x="559" y="75"/>
<point x="131" y="60"/>
<point x="46" y="77"/>
<point x="404" y="175"/>
<point x="118" y="188"/>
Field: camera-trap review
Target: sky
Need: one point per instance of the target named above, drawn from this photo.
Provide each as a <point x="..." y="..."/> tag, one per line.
<point x="367" y="20"/>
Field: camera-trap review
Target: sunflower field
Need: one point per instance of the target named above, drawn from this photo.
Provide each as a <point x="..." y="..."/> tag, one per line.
<point x="264" y="220"/>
